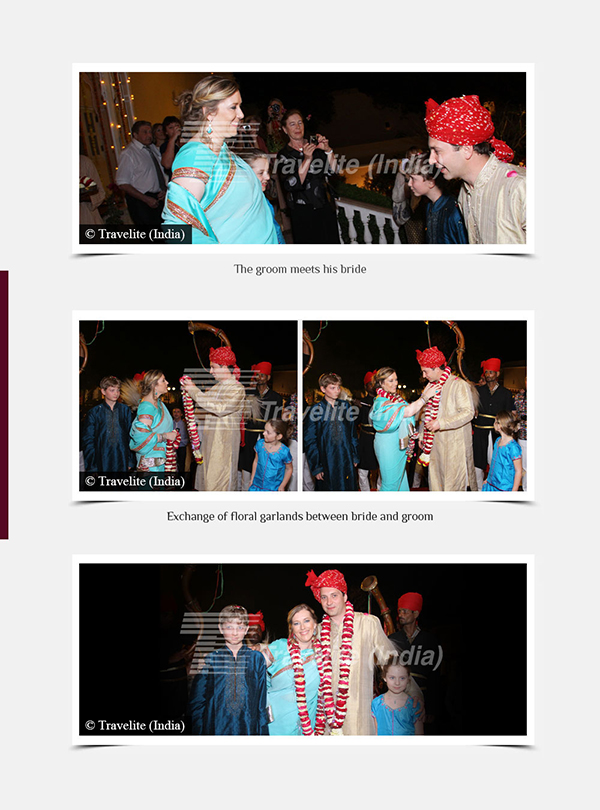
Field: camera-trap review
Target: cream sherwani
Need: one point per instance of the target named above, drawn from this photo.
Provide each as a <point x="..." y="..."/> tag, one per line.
<point x="223" y="404"/>
<point x="451" y="466"/>
<point x="369" y="645"/>
<point x="494" y="210"/>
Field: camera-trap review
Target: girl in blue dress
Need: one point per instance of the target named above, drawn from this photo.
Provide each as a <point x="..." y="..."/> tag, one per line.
<point x="259" y="163"/>
<point x="394" y="712"/>
<point x="506" y="466"/>
<point x="272" y="467"/>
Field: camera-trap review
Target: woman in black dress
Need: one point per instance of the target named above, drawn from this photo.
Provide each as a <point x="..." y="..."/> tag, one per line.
<point x="304" y="166"/>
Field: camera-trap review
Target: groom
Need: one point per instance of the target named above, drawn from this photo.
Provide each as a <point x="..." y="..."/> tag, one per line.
<point x="351" y="642"/>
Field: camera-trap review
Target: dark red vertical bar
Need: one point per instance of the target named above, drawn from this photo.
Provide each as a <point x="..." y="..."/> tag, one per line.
<point x="4" y="405"/>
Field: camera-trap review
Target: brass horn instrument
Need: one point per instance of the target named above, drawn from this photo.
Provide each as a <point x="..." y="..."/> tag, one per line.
<point x="198" y="326"/>
<point x="369" y="584"/>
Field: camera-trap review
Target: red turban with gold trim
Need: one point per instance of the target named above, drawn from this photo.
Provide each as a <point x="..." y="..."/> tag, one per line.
<point x="464" y="121"/>
<point x="430" y="358"/>
<point x="328" y="579"/>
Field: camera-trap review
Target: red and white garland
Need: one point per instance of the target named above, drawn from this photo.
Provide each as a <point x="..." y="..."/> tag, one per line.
<point x="192" y="427"/>
<point x="392" y="397"/>
<point x="171" y="457"/>
<point x="431" y="411"/>
<point x="300" y="686"/>
<point x="335" y="710"/>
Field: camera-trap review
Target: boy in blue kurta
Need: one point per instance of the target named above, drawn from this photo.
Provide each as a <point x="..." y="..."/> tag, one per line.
<point x="229" y="695"/>
<point x="105" y="432"/>
<point x="444" y="224"/>
<point x="330" y="438"/>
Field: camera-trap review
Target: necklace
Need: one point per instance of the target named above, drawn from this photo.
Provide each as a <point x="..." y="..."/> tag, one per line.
<point x="300" y="686"/>
<point x="336" y="709"/>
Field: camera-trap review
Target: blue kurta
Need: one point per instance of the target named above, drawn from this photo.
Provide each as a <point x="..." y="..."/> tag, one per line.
<point x="105" y="438"/>
<point x="394" y="721"/>
<point x="144" y="440"/>
<point x="233" y="209"/>
<point x="229" y="695"/>
<point x="444" y="223"/>
<point x="390" y="424"/>
<point x="502" y="467"/>
<point x="281" y="690"/>
<point x="331" y="444"/>
<point x="270" y="468"/>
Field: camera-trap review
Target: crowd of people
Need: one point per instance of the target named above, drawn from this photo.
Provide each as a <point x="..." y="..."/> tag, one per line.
<point x="468" y="438"/>
<point x="243" y="438"/>
<point x="211" y="168"/>
<point x="320" y="679"/>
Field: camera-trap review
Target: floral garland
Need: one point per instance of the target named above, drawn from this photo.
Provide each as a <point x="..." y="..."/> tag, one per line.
<point x="171" y="457"/>
<point x="190" y="419"/>
<point x="431" y="411"/>
<point x="300" y="686"/>
<point x="392" y="397"/>
<point x="336" y="710"/>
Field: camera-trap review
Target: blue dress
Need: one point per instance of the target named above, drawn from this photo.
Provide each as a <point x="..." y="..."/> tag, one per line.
<point x="233" y="209"/>
<point x="394" y="721"/>
<point x="229" y="695"/>
<point x="281" y="691"/>
<point x="501" y="476"/>
<point x="270" y="469"/>
<point x="144" y="441"/>
<point x="391" y="426"/>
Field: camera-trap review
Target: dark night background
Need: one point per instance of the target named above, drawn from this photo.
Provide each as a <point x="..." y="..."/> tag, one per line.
<point x="125" y="348"/>
<point x="351" y="348"/>
<point x="465" y="606"/>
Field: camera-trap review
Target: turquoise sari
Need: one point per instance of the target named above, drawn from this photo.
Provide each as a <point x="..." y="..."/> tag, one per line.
<point x="233" y="209"/>
<point x="392" y="429"/>
<point x="144" y="441"/>
<point x="281" y="689"/>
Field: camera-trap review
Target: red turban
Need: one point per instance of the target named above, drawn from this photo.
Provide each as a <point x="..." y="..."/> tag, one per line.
<point x="262" y="368"/>
<point x="493" y="364"/>
<point x="411" y="601"/>
<point x="369" y="376"/>
<point x="139" y="377"/>
<point x="328" y="579"/>
<point x="463" y="121"/>
<point x="224" y="357"/>
<point x="257" y="618"/>
<point x="430" y="358"/>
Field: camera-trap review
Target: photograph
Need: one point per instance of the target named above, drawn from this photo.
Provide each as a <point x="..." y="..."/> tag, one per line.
<point x="186" y="406"/>
<point x="386" y="648"/>
<point x="365" y="156"/>
<point x="415" y="406"/>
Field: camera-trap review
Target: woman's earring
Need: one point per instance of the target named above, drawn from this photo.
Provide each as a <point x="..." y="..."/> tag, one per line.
<point x="209" y="130"/>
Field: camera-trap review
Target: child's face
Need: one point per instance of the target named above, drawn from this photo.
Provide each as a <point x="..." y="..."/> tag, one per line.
<point x="396" y="679"/>
<point x="497" y="426"/>
<point x="270" y="435"/>
<point x="260" y="167"/>
<point x="332" y="391"/>
<point x="419" y="185"/>
<point x="233" y="631"/>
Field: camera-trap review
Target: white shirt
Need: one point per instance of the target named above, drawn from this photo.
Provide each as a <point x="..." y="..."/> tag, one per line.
<point x="136" y="168"/>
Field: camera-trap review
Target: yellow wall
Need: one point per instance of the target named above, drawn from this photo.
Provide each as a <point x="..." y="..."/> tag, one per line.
<point x="153" y="93"/>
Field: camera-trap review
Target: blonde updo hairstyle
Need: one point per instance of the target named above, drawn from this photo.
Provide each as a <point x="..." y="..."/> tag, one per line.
<point x="381" y="375"/>
<point x="148" y="384"/>
<point x="197" y="105"/>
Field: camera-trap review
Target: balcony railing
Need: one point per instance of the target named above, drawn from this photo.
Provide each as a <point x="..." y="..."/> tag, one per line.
<point x="364" y="224"/>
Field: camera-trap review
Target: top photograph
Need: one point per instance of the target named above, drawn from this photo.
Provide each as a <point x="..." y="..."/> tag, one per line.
<point x="412" y="161"/>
